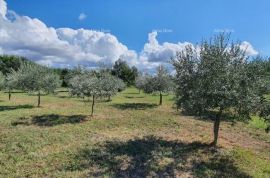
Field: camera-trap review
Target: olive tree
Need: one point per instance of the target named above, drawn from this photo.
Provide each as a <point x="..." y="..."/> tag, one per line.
<point x="140" y="82"/>
<point x="215" y="79"/>
<point x="2" y="81"/>
<point x="92" y="84"/>
<point x="11" y="83"/>
<point x="161" y="82"/>
<point x="35" y="78"/>
<point x="110" y="85"/>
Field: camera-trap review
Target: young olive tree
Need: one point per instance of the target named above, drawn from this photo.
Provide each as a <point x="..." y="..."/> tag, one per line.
<point x="35" y="78"/>
<point x="89" y="84"/>
<point x="160" y="83"/>
<point x="140" y="82"/>
<point x="110" y="85"/>
<point x="2" y="81"/>
<point x="11" y="83"/>
<point x="215" y="79"/>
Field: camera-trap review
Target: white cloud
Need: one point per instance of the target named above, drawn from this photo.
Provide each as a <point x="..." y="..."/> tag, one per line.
<point x="156" y="52"/>
<point x="248" y="48"/>
<point x="82" y="16"/>
<point x="3" y="8"/>
<point x="46" y="45"/>
<point x="30" y="37"/>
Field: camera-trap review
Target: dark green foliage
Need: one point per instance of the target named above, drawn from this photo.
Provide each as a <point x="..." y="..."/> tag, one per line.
<point x="63" y="75"/>
<point x="124" y="72"/>
<point x="10" y="62"/>
<point x="265" y="113"/>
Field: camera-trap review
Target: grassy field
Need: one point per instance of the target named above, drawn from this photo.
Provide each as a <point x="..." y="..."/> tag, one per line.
<point x="130" y="136"/>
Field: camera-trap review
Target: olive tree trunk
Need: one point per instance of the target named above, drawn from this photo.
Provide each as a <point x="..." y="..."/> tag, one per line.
<point x="93" y="104"/>
<point x="9" y="95"/>
<point x="38" y="98"/>
<point x="160" y="98"/>
<point x="216" y="126"/>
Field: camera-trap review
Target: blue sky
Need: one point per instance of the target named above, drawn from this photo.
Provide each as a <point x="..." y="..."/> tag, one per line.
<point x="131" y="21"/>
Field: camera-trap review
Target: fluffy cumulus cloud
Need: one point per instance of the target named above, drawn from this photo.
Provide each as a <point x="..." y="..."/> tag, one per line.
<point x="30" y="37"/>
<point x="156" y="52"/>
<point x="24" y="36"/>
<point x="3" y="8"/>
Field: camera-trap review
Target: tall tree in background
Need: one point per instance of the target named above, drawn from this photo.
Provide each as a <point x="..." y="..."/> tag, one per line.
<point x="10" y="62"/>
<point x="124" y="72"/>
<point x="62" y="72"/>
<point x="216" y="79"/>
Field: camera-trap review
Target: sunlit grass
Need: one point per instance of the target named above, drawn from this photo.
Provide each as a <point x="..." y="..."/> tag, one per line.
<point x="130" y="136"/>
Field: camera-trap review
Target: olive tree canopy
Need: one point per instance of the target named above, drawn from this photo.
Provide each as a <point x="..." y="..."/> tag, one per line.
<point x="35" y="78"/>
<point x="161" y="82"/>
<point x="216" y="78"/>
<point x="93" y="84"/>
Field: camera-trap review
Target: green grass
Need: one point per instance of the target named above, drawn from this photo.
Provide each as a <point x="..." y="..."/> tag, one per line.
<point x="258" y="123"/>
<point x="127" y="137"/>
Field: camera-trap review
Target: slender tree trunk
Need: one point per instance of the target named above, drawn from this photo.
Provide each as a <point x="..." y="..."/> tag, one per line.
<point x="160" y="98"/>
<point x="216" y="126"/>
<point x="9" y="95"/>
<point x="93" y="103"/>
<point x="139" y="91"/>
<point x="38" y="98"/>
<point x="109" y="98"/>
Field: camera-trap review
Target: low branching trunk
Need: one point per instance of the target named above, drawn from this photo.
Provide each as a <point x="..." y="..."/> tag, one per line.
<point x="93" y="104"/>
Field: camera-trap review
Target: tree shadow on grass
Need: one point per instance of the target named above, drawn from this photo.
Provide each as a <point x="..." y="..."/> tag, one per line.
<point x="132" y="93"/>
<point x="209" y="116"/>
<point x="153" y="157"/>
<point x="134" y="97"/>
<point x="61" y="96"/>
<point x="49" y="120"/>
<point x="8" y="108"/>
<point x="136" y="106"/>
